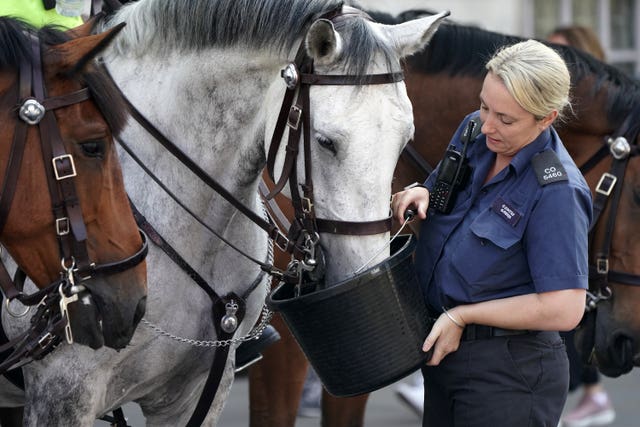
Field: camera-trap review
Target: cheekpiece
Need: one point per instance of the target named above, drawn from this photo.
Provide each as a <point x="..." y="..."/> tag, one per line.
<point x="291" y="76"/>
<point x="31" y="111"/>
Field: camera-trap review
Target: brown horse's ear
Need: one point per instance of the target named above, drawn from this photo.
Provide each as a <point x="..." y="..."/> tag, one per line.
<point x="75" y="54"/>
<point x="87" y="28"/>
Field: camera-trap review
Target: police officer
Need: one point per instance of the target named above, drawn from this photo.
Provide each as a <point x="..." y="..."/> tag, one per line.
<point x="504" y="266"/>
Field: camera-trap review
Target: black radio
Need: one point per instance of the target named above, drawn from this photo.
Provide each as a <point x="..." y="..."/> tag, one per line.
<point x="454" y="172"/>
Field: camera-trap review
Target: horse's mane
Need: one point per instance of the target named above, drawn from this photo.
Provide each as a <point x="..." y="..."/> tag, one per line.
<point x="462" y="50"/>
<point x="264" y="25"/>
<point x="15" y="47"/>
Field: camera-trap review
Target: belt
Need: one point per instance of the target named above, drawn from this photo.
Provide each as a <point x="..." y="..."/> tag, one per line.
<point x="481" y="332"/>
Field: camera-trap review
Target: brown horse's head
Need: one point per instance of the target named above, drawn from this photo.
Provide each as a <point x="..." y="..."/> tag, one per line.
<point x="443" y="83"/>
<point x="108" y="312"/>
<point x="603" y="99"/>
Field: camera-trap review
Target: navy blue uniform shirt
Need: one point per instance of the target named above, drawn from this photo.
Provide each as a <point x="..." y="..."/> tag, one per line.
<point x="510" y="236"/>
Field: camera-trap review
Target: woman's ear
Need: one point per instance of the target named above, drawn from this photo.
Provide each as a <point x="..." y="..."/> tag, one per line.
<point x="547" y="120"/>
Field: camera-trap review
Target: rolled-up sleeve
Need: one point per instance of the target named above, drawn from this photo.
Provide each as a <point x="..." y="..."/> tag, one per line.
<point x="556" y="239"/>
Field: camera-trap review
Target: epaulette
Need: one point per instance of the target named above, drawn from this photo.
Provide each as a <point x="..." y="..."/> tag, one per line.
<point x="548" y="168"/>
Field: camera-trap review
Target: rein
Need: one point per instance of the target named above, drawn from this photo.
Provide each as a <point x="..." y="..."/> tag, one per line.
<point x="51" y="323"/>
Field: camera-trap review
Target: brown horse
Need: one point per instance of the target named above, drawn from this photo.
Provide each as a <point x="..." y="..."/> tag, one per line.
<point x="64" y="212"/>
<point x="65" y="218"/>
<point x="443" y="84"/>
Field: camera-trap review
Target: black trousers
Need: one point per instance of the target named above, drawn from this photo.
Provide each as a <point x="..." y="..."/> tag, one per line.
<point x="514" y="381"/>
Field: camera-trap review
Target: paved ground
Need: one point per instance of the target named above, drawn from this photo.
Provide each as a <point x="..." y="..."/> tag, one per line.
<point x="385" y="410"/>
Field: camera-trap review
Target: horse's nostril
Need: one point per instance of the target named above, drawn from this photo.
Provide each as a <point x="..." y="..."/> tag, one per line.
<point x="622" y="352"/>
<point x="140" y="310"/>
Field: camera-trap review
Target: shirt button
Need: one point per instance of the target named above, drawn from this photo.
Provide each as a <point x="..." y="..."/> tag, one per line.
<point x="483" y="242"/>
<point x="484" y="191"/>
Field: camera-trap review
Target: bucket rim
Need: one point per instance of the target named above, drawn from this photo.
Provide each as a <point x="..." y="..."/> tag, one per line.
<point x="405" y="251"/>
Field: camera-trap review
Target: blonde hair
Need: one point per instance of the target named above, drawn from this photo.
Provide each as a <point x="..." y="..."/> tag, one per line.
<point x="535" y="75"/>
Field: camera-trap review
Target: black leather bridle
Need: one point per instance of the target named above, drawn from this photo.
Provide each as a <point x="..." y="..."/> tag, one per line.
<point x="307" y="264"/>
<point x="621" y="147"/>
<point x="50" y="324"/>
<point x="608" y="192"/>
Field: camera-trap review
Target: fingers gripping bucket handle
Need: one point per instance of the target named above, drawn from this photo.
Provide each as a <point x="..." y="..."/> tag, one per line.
<point x="364" y="333"/>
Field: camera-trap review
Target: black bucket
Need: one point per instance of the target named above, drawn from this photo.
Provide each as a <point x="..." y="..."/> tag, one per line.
<point x="366" y="332"/>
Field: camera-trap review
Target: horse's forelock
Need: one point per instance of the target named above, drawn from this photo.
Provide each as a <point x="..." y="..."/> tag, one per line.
<point x="15" y="39"/>
<point x="107" y="98"/>
<point x="361" y="45"/>
<point x="14" y="42"/>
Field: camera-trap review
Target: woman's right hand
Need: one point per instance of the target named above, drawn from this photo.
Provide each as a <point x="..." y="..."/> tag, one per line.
<point x="416" y="198"/>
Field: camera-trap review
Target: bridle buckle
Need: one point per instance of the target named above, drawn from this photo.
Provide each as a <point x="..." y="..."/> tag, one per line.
<point x="295" y="114"/>
<point x="60" y="160"/>
<point x="281" y="241"/>
<point x="62" y="226"/>
<point x="602" y="265"/>
<point x="307" y="205"/>
<point x="606" y="184"/>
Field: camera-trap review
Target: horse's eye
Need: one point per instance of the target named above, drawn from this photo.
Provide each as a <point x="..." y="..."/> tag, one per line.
<point x="636" y="196"/>
<point x="93" y="148"/>
<point x="326" y="143"/>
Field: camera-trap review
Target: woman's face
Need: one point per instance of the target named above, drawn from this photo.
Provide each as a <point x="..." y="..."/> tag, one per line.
<point x="507" y="125"/>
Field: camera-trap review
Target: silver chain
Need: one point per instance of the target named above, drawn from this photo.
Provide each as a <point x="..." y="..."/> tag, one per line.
<point x="254" y="334"/>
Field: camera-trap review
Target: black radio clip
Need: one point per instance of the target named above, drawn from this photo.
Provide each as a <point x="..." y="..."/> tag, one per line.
<point x="454" y="171"/>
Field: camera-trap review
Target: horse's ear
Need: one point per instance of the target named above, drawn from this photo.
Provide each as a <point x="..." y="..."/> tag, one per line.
<point x="412" y="36"/>
<point x="75" y="54"/>
<point x="86" y="29"/>
<point x="323" y="42"/>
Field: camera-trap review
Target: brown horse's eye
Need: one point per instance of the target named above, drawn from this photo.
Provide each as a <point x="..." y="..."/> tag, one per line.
<point x="93" y="148"/>
<point x="636" y="196"/>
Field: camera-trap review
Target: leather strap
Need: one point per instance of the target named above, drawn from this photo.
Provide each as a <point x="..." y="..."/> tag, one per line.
<point x="354" y="228"/>
<point x="219" y="361"/>
<point x="271" y="230"/>
<point x="348" y="80"/>
<point x="480" y="332"/>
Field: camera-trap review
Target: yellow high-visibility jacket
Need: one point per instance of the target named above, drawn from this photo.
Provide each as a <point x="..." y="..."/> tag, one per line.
<point x="33" y="12"/>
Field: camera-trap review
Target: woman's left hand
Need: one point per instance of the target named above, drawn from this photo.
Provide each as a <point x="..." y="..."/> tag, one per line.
<point x="444" y="338"/>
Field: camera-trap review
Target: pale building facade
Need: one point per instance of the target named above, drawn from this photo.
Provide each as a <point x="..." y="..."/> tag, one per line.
<point x="615" y="21"/>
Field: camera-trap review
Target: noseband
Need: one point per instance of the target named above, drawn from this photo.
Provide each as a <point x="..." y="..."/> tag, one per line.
<point x="51" y="321"/>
